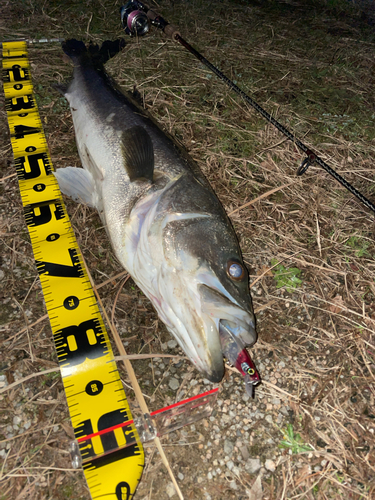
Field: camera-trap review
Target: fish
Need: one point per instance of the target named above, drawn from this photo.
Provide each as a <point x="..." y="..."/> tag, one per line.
<point x="165" y="223"/>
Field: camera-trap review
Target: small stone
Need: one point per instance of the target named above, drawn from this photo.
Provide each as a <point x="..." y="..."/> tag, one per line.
<point x="244" y="452"/>
<point x="270" y="465"/>
<point x="174" y="384"/>
<point x="172" y="344"/>
<point x="236" y="471"/>
<point x="180" y="476"/>
<point x="230" y="464"/>
<point x="225" y="419"/>
<point x="284" y="410"/>
<point x="253" y="465"/>
<point x="170" y="490"/>
<point x="233" y="485"/>
<point x="228" y="447"/>
<point x="245" y="397"/>
<point x="17" y="420"/>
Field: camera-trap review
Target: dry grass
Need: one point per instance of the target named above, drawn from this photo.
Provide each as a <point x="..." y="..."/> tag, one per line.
<point x="311" y="65"/>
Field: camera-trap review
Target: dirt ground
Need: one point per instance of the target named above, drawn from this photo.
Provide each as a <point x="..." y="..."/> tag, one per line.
<point x="307" y="242"/>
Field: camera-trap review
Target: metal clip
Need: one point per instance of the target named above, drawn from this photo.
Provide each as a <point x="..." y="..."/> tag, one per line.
<point x="145" y="428"/>
<point x="75" y="455"/>
<point x="311" y="157"/>
<point x="304" y="166"/>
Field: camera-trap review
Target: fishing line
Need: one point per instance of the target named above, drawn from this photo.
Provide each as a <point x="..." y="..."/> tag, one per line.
<point x="143" y="12"/>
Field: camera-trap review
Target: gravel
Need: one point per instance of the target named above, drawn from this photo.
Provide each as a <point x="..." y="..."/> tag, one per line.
<point x="253" y="465"/>
<point x="270" y="465"/>
<point x="170" y="490"/>
<point x="174" y="384"/>
<point x="228" y="447"/>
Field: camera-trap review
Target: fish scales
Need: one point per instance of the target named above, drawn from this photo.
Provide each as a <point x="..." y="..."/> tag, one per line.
<point x="165" y="223"/>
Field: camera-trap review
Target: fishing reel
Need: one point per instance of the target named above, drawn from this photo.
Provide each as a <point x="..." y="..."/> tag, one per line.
<point x="134" y="18"/>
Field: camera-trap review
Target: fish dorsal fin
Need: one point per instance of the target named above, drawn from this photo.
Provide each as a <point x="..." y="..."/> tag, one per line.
<point x="138" y="153"/>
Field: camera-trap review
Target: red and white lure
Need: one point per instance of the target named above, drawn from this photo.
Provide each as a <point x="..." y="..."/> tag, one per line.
<point x="236" y="353"/>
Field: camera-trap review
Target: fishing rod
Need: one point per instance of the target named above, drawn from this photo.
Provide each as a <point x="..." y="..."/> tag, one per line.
<point x="136" y="18"/>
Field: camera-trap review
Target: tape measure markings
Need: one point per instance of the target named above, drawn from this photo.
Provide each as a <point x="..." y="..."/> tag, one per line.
<point x="90" y="376"/>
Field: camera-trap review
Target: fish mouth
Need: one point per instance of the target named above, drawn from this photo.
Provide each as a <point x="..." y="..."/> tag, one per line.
<point x="235" y="318"/>
<point x="218" y="310"/>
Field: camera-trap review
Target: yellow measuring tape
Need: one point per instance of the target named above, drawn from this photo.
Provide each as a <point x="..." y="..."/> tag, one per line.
<point x="93" y="388"/>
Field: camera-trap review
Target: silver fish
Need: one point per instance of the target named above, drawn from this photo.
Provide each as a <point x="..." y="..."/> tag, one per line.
<point x="166" y="225"/>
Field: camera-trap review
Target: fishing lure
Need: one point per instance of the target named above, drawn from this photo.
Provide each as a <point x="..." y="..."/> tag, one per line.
<point x="237" y="355"/>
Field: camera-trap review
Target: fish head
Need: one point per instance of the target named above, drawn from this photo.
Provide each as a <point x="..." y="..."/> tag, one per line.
<point x="210" y="284"/>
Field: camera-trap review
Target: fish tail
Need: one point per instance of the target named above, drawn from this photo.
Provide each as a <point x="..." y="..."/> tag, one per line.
<point x="79" y="53"/>
<point x="74" y="48"/>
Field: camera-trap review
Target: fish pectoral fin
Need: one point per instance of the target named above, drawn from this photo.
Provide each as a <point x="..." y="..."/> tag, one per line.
<point x="138" y="153"/>
<point x="78" y="184"/>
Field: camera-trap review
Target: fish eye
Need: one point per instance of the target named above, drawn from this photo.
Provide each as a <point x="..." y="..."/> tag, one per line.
<point x="235" y="270"/>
